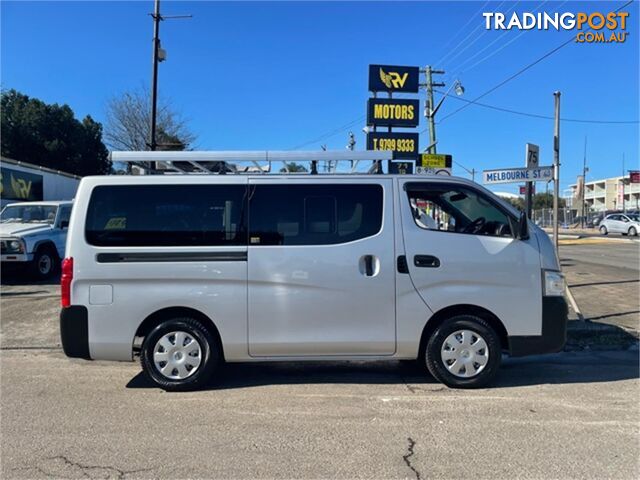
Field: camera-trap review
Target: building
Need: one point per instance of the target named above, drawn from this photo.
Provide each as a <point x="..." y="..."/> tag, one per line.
<point x="606" y="194"/>
<point x="25" y="182"/>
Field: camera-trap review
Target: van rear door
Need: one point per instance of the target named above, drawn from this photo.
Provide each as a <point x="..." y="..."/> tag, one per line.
<point x="321" y="267"/>
<point x="460" y="250"/>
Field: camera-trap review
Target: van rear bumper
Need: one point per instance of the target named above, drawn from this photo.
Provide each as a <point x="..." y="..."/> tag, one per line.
<point x="74" y="331"/>
<point x="554" y="331"/>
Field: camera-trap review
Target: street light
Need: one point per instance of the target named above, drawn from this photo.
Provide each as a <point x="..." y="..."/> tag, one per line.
<point x="457" y="85"/>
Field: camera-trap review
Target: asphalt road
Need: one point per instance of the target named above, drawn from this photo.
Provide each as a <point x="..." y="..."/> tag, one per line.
<point x="571" y="415"/>
<point x="562" y="416"/>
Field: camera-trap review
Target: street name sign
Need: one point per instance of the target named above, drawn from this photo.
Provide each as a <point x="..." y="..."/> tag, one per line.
<point x="516" y="175"/>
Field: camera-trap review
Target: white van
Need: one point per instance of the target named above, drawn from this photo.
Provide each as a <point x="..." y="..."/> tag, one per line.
<point x="189" y="271"/>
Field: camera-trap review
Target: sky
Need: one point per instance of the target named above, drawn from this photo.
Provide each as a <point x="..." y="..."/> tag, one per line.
<point x="280" y="75"/>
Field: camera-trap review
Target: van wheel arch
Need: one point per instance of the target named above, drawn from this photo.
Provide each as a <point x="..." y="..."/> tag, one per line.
<point x="156" y="318"/>
<point x="454" y="310"/>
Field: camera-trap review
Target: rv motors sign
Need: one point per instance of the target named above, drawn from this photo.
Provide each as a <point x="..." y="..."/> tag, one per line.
<point x="18" y="185"/>
<point x="394" y="78"/>
<point x="389" y="112"/>
<point x="402" y="144"/>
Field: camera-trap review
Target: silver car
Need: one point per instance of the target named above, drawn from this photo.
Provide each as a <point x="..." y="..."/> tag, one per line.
<point x="626" y="224"/>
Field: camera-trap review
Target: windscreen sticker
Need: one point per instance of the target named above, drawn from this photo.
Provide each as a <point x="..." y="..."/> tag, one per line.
<point x="116" y="223"/>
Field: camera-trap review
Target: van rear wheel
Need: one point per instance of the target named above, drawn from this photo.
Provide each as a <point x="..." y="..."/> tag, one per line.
<point x="464" y="352"/>
<point x="179" y="354"/>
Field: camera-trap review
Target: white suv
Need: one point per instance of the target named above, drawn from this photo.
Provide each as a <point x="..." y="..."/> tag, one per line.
<point x="34" y="234"/>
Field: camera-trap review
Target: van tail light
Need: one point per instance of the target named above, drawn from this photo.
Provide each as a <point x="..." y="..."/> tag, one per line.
<point x="65" y="281"/>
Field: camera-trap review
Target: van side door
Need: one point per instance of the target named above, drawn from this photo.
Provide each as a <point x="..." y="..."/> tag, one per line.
<point x="460" y="250"/>
<point x="321" y="267"/>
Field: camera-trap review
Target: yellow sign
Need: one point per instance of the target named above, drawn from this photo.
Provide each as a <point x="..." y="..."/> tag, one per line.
<point x="116" y="223"/>
<point x="435" y="160"/>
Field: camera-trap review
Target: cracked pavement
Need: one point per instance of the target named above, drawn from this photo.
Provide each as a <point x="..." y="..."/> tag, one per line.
<point x="571" y="415"/>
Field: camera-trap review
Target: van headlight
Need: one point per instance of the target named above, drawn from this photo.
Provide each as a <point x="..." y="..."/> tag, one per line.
<point x="553" y="284"/>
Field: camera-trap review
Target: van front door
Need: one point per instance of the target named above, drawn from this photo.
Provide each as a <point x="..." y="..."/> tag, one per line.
<point x="461" y="251"/>
<point x="321" y="267"/>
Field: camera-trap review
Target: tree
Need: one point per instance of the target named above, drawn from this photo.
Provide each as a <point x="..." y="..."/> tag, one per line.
<point x="293" y="167"/>
<point x="545" y="200"/>
<point x="128" y="125"/>
<point x="51" y="136"/>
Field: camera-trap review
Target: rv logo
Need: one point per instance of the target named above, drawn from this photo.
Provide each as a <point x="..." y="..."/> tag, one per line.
<point x="21" y="188"/>
<point x="393" y="79"/>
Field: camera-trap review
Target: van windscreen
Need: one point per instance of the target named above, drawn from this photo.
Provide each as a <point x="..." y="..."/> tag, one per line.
<point x="166" y="215"/>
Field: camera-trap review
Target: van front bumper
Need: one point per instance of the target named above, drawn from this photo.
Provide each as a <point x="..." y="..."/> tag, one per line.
<point x="74" y="331"/>
<point x="555" y="314"/>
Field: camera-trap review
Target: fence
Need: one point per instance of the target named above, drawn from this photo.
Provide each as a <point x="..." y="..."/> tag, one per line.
<point x="543" y="217"/>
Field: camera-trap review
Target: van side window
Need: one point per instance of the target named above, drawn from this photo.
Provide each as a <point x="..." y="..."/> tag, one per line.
<point x="314" y="214"/>
<point x="457" y="209"/>
<point x="166" y="215"/>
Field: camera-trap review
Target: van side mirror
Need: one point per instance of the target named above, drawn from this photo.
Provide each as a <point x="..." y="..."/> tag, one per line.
<point x="64" y="224"/>
<point x="523" y="227"/>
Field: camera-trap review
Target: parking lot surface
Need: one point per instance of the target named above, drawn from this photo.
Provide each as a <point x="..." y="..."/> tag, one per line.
<point x="570" y="415"/>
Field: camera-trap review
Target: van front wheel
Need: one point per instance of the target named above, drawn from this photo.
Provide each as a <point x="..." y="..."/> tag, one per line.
<point x="464" y="352"/>
<point x="179" y="354"/>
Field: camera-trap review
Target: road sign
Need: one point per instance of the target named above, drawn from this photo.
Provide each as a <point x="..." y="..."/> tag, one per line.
<point x="516" y="175"/>
<point x="403" y="144"/>
<point x="400" y="168"/>
<point x="393" y="78"/>
<point x="634" y="176"/>
<point x="436" y="163"/>
<point x="523" y="189"/>
<point x="391" y="112"/>
<point x="533" y="154"/>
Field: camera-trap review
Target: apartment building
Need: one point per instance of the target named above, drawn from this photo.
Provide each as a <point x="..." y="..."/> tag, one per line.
<point x="606" y="194"/>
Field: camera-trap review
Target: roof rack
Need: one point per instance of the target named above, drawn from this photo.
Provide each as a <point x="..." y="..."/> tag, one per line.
<point x="260" y="161"/>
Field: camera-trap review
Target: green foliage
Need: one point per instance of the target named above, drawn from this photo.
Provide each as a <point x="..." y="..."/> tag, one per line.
<point x="545" y="200"/>
<point x="293" y="167"/>
<point x="51" y="136"/>
<point x="516" y="202"/>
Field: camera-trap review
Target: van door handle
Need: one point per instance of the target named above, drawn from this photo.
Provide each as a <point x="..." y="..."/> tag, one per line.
<point x="426" y="261"/>
<point x="368" y="265"/>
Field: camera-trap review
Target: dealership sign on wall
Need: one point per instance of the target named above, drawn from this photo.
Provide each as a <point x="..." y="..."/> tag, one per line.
<point x="18" y="185"/>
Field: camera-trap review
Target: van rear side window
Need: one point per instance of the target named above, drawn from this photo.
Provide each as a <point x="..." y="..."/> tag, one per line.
<point x="314" y="214"/>
<point x="166" y="215"/>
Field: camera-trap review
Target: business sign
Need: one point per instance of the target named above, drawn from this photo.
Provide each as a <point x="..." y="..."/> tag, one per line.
<point x="523" y="189"/>
<point x="634" y="176"/>
<point x="403" y="144"/>
<point x="18" y="185"/>
<point x="391" y="112"/>
<point x="400" y="168"/>
<point x="393" y="78"/>
<point x="516" y="175"/>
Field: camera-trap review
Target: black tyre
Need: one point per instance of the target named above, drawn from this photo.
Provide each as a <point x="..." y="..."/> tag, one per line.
<point x="45" y="262"/>
<point x="464" y="352"/>
<point x="180" y="354"/>
<point x="633" y="232"/>
<point x="603" y="230"/>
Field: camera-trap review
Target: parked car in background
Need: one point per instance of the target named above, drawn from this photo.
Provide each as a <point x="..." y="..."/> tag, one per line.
<point x="33" y="234"/>
<point x="624" y="223"/>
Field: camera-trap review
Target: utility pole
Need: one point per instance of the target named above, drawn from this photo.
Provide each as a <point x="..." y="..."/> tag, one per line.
<point x="157" y="58"/>
<point x="428" y="107"/>
<point x="556" y="167"/>
<point x="584" y="184"/>
<point x="624" y="204"/>
<point x="154" y="80"/>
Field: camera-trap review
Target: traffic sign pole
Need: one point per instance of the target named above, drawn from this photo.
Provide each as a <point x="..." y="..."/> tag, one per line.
<point x="556" y="168"/>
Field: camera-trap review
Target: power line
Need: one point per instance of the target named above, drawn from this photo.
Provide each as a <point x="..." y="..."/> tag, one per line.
<point x="535" y="115"/>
